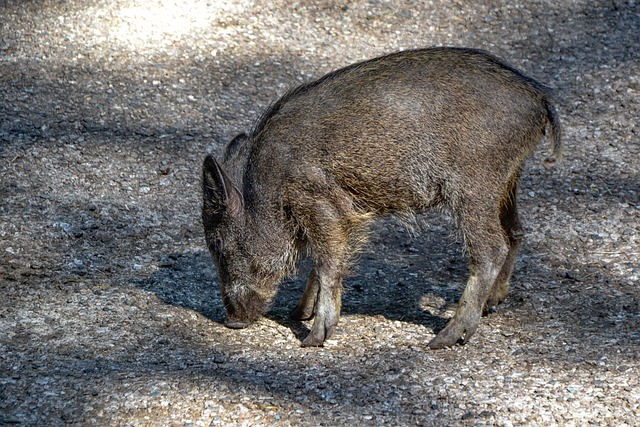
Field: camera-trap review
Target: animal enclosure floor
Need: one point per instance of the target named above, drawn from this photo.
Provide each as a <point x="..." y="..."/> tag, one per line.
<point x="110" y="312"/>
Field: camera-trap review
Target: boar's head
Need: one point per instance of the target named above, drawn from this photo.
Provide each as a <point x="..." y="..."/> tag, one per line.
<point x="246" y="287"/>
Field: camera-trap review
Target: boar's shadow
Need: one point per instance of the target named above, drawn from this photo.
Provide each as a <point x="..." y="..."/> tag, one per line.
<point x="401" y="275"/>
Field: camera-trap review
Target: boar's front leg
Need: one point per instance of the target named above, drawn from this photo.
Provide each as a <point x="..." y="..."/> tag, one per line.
<point x="307" y="305"/>
<point x="488" y="252"/>
<point x="326" y="224"/>
<point x="327" y="306"/>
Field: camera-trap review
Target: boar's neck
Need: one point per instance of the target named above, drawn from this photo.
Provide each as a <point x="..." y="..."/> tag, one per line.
<point x="267" y="224"/>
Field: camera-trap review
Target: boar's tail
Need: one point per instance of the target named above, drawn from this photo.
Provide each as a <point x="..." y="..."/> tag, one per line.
<point x="555" y="136"/>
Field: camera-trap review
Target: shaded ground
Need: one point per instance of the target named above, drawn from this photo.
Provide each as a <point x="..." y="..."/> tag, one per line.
<point x="109" y="308"/>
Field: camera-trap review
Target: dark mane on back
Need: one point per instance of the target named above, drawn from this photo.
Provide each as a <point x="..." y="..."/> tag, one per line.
<point x="275" y="107"/>
<point x="305" y="88"/>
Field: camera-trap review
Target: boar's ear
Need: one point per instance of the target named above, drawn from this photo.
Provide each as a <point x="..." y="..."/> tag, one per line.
<point x="234" y="146"/>
<point x="219" y="194"/>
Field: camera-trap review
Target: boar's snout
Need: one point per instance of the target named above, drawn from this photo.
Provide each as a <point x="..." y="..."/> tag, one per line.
<point x="237" y="319"/>
<point x="243" y="308"/>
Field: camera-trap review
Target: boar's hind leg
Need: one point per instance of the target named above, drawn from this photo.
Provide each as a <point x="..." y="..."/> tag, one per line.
<point x="487" y="252"/>
<point x="512" y="229"/>
<point x="306" y="307"/>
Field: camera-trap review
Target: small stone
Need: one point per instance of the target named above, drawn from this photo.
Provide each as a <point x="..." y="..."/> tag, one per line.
<point x="468" y="416"/>
<point x="572" y="275"/>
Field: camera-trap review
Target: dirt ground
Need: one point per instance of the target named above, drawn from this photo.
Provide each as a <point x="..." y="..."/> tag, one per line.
<point x="110" y="312"/>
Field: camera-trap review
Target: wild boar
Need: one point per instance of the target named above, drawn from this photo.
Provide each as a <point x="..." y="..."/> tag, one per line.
<point x="438" y="127"/>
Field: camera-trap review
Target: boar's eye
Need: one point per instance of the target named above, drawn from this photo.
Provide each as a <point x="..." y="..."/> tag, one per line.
<point x="218" y="245"/>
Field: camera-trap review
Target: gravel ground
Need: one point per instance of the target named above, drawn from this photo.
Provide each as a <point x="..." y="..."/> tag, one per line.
<point x="110" y="312"/>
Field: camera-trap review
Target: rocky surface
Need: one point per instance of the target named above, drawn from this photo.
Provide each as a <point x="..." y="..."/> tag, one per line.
<point x="109" y="307"/>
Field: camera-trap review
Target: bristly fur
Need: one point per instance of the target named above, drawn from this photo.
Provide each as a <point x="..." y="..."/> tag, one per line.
<point x="306" y="88"/>
<point x="444" y="128"/>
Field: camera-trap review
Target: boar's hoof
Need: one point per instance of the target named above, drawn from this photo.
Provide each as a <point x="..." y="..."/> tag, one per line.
<point x="312" y="341"/>
<point x="236" y="324"/>
<point x="454" y="332"/>
<point x="319" y="333"/>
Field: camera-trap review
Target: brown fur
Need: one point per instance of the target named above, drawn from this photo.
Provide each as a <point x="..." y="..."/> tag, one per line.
<point x="441" y="127"/>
